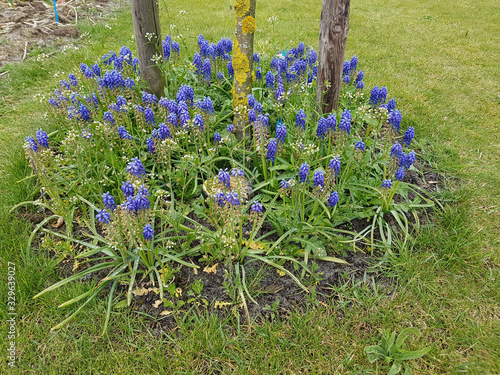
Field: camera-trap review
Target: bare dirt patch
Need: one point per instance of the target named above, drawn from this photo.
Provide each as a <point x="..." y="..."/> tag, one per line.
<point x="31" y="24"/>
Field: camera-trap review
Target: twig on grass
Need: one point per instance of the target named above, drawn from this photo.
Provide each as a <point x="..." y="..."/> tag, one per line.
<point x="25" y="50"/>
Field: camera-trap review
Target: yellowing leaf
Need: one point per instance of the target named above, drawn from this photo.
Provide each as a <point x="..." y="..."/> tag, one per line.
<point x="164" y="274"/>
<point x="140" y="292"/>
<point x="178" y="292"/>
<point x="254" y="245"/>
<point x="212" y="269"/>
<point x="157" y="303"/>
<point x="165" y="312"/>
<point x="281" y="273"/>
<point x="220" y="305"/>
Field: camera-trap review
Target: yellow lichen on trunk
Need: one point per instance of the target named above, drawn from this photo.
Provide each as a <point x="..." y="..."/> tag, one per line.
<point x="248" y="25"/>
<point x="243" y="64"/>
<point x="242" y="7"/>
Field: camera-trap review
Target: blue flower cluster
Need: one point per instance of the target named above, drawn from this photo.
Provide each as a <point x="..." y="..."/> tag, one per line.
<point x="284" y="184"/>
<point x="170" y="45"/>
<point x="109" y="201"/>
<point x="345" y="121"/>
<point x="300" y="119"/>
<point x="136" y="168"/>
<point x="319" y="178"/>
<point x="378" y="95"/>
<point x="360" y="145"/>
<point x="334" y="165"/>
<point x="256" y="207"/>
<point x="231" y="198"/>
<point x="224" y="178"/>
<point x="138" y="202"/>
<point x="333" y="199"/>
<point x="211" y="54"/>
<point x="304" y="173"/>
<point x="103" y="216"/>
<point x="237" y="172"/>
<point x="387" y="184"/>
<point x="281" y="132"/>
<point x="272" y="148"/>
<point x="147" y="232"/>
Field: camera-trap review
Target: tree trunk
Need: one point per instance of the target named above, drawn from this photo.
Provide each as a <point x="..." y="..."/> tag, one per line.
<point x="334" y="25"/>
<point x="243" y="64"/>
<point x="147" y="30"/>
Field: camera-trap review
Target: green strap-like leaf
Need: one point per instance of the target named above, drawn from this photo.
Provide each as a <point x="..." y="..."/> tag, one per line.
<point x="404" y="334"/>
<point x="414" y="354"/>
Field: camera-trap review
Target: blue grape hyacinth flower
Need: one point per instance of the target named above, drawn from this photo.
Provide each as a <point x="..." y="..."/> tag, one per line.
<point x="148" y="232"/>
<point x="103" y="217"/>
<point x="123" y="133"/>
<point x="333" y="199"/>
<point x="128" y="189"/>
<point x="304" y="173"/>
<point x="409" y="135"/>
<point x="300" y="119"/>
<point x="281" y="133"/>
<point x="400" y="174"/>
<point x="272" y="147"/>
<point x="30" y="141"/>
<point x="224" y="178"/>
<point x="42" y="138"/>
<point x="387" y="183"/>
<point x="319" y="178"/>
<point x="256" y="207"/>
<point x="109" y="201"/>
<point x="335" y="164"/>
<point x="136" y="168"/>
<point x="360" y="145"/>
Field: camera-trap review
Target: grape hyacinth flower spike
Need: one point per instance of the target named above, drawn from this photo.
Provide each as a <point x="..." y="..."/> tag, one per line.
<point x="109" y="201"/>
<point x="304" y="173"/>
<point x="42" y="138"/>
<point x="319" y="178"/>
<point x="387" y="184"/>
<point x="136" y="168"/>
<point x="333" y="199"/>
<point x="256" y="207"/>
<point x="272" y="147"/>
<point x="224" y="178"/>
<point x="147" y="232"/>
<point x="103" y="217"/>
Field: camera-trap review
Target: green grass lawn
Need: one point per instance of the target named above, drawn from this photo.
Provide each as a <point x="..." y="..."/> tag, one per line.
<point x="439" y="59"/>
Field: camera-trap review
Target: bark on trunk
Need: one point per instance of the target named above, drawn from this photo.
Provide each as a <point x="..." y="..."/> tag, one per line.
<point x="147" y="30"/>
<point x="334" y="25"/>
<point x="243" y="65"/>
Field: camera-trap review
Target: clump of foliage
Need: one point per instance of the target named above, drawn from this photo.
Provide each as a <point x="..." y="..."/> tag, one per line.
<point x="157" y="181"/>
<point x="392" y="350"/>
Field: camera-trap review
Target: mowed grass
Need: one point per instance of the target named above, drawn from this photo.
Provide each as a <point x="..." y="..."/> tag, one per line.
<point x="440" y="61"/>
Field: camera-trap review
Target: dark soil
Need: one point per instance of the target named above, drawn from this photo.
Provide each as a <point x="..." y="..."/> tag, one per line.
<point x="276" y="296"/>
<point x="31" y="24"/>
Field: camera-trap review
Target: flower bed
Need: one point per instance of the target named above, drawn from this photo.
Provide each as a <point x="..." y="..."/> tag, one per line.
<point x="133" y="167"/>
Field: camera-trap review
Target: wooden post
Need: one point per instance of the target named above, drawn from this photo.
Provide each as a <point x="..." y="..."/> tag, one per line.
<point x="243" y="64"/>
<point x="147" y="30"/>
<point x="334" y="25"/>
